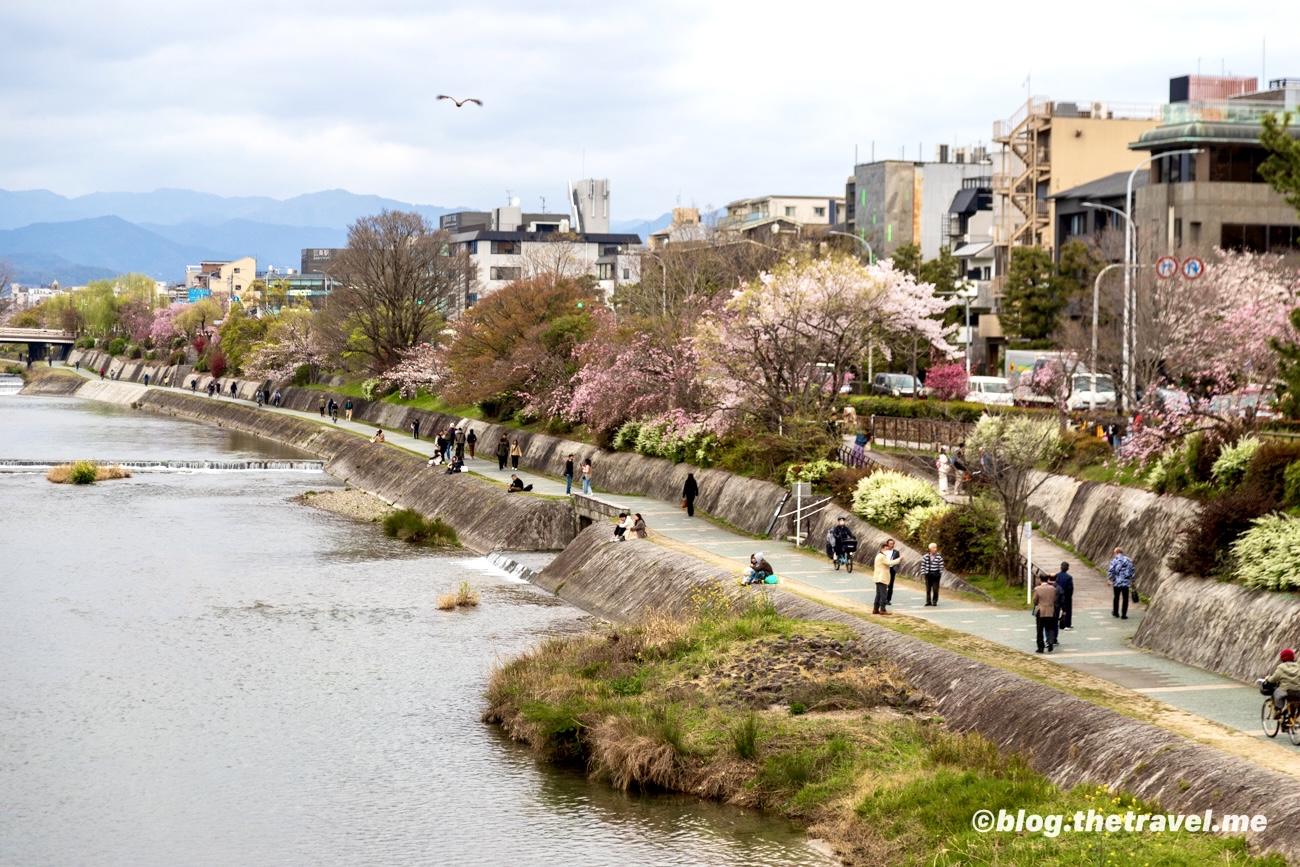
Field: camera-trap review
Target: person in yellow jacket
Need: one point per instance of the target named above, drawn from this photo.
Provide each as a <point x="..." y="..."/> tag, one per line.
<point x="880" y="572"/>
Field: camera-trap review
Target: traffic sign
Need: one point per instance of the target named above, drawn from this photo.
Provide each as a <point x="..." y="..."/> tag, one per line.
<point x="1193" y="268"/>
<point x="1166" y="267"/>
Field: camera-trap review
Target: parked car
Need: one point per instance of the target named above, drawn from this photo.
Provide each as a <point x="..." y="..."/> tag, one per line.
<point x="896" y="385"/>
<point x="995" y="390"/>
<point x="1082" y="396"/>
<point x="1250" y="400"/>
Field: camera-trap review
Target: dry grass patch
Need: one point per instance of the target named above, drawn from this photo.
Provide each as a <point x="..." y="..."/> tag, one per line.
<point x="464" y="596"/>
<point x="85" y="473"/>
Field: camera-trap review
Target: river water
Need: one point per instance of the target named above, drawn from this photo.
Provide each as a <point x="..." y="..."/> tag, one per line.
<point x="195" y="670"/>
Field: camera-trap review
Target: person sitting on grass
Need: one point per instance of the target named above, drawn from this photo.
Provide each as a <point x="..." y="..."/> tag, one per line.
<point x="517" y="484"/>
<point x="759" y="569"/>
<point x="456" y="466"/>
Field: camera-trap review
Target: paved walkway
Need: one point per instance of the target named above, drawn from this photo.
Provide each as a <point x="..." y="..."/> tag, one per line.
<point x="1098" y="645"/>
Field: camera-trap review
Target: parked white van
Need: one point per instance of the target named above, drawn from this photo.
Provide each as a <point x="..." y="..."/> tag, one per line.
<point x="989" y="389"/>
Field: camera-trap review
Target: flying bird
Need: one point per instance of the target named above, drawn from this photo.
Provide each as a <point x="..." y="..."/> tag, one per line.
<point x="460" y="102"/>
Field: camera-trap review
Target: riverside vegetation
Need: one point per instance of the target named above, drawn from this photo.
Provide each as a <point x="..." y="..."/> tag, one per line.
<point x="85" y="473"/>
<point x="739" y="704"/>
<point x="409" y="525"/>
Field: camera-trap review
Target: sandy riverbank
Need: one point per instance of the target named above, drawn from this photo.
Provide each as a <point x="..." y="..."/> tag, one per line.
<point x="349" y="503"/>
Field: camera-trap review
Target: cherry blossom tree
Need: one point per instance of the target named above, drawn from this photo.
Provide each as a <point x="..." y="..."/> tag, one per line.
<point x="291" y="341"/>
<point x="164" y="330"/>
<point x="631" y="373"/>
<point x="1218" y="339"/>
<point x="947" y="381"/>
<point x="421" y="367"/>
<point x="768" y="352"/>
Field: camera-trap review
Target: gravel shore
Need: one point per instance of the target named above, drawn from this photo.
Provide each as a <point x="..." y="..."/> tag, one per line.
<point x="350" y="504"/>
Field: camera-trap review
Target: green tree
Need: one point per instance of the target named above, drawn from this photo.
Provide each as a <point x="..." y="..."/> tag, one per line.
<point x="907" y="259"/>
<point x="240" y="334"/>
<point x="1078" y="267"/>
<point x="943" y="272"/>
<point x="1033" y="296"/>
<point x="1282" y="168"/>
<point x="1288" y="370"/>
<point x="197" y="317"/>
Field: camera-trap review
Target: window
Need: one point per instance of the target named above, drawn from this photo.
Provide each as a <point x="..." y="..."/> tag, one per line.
<point x="605" y="271"/>
<point x="789" y="210"/>
<point x="627" y="273"/>
<point x="1076" y="224"/>
<point x="1177" y="169"/>
<point x="499" y="273"/>
<point x="1260" y="239"/>
<point x="1195" y="229"/>
<point x="1236" y="165"/>
<point x="819" y="212"/>
<point x="609" y="250"/>
<point x="505" y="248"/>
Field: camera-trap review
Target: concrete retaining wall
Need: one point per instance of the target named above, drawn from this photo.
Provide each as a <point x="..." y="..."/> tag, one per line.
<point x="1068" y="739"/>
<point x="1223" y="627"/>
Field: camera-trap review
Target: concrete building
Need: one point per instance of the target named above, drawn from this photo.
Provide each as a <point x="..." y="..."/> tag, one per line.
<point x="1074" y="222"/>
<point x="899" y="202"/>
<point x="791" y="213"/>
<point x="510" y="249"/>
<point x="317" y="260"/>
<point x="589" y="203"/>
<point x="1051" y="146"/>
<point x="684" y="228"/>
<point x="225" y="281"/>
<point x="1216" y="198"/>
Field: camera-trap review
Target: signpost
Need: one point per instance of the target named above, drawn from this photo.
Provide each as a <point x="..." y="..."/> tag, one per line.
<point x="1193" y="268"/>
<point x="1166" y="267"/>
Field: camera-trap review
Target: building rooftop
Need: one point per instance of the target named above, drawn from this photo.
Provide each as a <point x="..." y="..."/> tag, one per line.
<point x="589" y="238"/>
<point x="1103" y="188"/>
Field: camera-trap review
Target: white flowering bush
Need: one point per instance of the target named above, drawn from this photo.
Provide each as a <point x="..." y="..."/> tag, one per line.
<point x="918" y="517"/>
<point x="812" y="471"/>
<point x="884" y="498"/>
<point x="1268" y="554"/>
<point x="626" y="437"/>
<point x="370" y="387"/>
<point x="674" y="436"/>
<point x="1230" y="467"/>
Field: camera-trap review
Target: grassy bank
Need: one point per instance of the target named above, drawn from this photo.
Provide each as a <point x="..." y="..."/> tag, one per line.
<point x="85" y="473"/>
<point x="791" y="716"/>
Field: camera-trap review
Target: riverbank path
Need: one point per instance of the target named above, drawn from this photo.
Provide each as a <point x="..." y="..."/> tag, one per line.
<point x="1099" y="645"/>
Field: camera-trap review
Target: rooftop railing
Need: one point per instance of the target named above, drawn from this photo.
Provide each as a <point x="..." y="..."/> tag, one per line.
<point x="1219" y="111"/>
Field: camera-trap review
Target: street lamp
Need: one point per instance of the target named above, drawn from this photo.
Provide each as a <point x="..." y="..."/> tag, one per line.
<point x="967" y="291"/>
<point x="664" y="286"/>
<point x="871" y="342"/>
<point x="1129" y="256"/>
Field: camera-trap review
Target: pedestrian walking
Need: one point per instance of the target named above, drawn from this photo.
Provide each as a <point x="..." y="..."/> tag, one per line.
<point x="932" y="569"/>
<point x="690" y="491"/>
<point x="415" y="428"/>
<point x="212" y="387"/>
<point x="1119" y="575"/>
<point x="1045" y="613"/>
<point x="944" y="466"/>
<point x="447" y="440"/>
<point x="347" y="409"/>
<point x="895" y="557"/>
<point x="568" y="475"/>
<point x="961" y="472"/>
<point x="261" y="394"/>
<point x="515" y="454"/>
<point x="146" y="380"/>
<point x="880" y="573"/>
<point x="276" y="400"/>
<point x="320" y="405"/>
<point x="586" y="476"/>
<point x="232" y="388"/>
<point x="639" y="527"/>
<point x="459" y="437"/>
<point x="503" y="452"/>
<point x="101" y="372"/>
<point x="334" y="411"/>
<point x="471" y="440"/>
<point x="1065" y="584"/>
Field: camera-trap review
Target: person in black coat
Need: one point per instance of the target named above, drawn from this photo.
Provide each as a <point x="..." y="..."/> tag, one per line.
<point x="1065" y="593"/>
<point x="690" y="491"/>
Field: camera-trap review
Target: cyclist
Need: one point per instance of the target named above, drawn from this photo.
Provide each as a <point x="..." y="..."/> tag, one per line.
<point x="1287" y="678"/>
<point x="843" y="535"/>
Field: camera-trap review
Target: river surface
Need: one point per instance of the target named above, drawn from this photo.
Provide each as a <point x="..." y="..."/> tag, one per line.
<point x="194" y="670"/>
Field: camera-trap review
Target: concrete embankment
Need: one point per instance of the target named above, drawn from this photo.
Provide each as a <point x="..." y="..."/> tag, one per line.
<point x="485" y="517"/>
<point x="1066" y="738"/>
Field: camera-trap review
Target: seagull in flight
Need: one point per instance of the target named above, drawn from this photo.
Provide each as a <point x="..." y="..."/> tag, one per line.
<point x="460" y="102"/>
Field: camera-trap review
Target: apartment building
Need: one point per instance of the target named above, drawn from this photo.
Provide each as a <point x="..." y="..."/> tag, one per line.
<point x="786" y="213"/>
<point x="225" y="281"/>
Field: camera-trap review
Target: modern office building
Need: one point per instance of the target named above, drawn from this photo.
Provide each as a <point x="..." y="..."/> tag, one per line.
<point x="1077" y="222"/>
<point x="1215" y="198"/>
<point x="317" y="260"/>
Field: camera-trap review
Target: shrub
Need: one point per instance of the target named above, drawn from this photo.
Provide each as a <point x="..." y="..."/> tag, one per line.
<point x="409" y="525"/>
<point x="83" y="473"/>
<point x="951" y="410"/>
<point x="1268" y="554"/>
<point x="625" y="439"/>
<point x="813" y="471"/>
<point x="947" y="382"/>
<point x="151" y="355"/>
<point x="201" y="366"/>
<point x="884" y="497"/>
<point x="302" y="377"/>
<point x="1267" y="469"/>
<point x="177" y="357"/>
<point x="1291" y="485"/>
<point x="1083" y="449"/>
<point x="1232" y="463"/>
<point x="968" y="536"/>
<point x="117" y="346"/>
<point x="744" y="736"/>
<point x="1205" y="544"/>
<point x="844" y="481"/>
<point x="920" y="517"/>
<point x="136" y="351"/>
<point x="217" y="362"/>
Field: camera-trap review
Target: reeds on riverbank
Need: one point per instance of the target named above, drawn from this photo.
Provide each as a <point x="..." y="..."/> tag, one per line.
<point x="410" y="526"/>
<point x="465" y="596"/>
<point x="85" y="473"/>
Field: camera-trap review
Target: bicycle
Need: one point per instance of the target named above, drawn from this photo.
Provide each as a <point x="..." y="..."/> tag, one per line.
<point x="1271" y="721"/>
<point x="844" y="554"/>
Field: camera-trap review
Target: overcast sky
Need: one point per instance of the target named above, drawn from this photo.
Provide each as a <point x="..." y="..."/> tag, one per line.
<point x="710" y="101"/>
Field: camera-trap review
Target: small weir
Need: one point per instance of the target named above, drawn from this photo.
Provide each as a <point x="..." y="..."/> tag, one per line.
<point x="31" y="466"/>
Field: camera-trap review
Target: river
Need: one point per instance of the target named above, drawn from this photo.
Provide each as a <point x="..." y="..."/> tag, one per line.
<point x="195" y="670"/>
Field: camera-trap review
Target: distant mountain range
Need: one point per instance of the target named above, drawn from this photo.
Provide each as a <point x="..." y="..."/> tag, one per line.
<point x="48" y="237"/>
